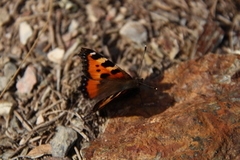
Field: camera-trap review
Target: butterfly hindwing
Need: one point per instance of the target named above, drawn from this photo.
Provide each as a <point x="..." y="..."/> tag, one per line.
<point x="102" y="81"/>
<point x="99" y="105"/>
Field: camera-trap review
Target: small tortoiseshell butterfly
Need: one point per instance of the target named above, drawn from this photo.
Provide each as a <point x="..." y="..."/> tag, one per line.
<point x="103" y="80"/>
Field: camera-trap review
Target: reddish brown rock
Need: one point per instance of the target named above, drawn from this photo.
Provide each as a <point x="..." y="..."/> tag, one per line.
<point x="203" y="123"/>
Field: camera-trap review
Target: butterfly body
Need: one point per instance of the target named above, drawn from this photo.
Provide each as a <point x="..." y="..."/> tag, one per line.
<point x="103" y="81"/>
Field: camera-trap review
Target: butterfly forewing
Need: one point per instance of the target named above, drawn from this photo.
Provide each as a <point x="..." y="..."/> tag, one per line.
<point x="97" y="67"/>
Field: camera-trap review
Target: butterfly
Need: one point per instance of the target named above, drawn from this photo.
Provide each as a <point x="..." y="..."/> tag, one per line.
<point x="103" y="81"/>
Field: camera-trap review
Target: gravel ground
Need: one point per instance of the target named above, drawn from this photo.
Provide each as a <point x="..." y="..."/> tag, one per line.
<point x="39" y="76"/>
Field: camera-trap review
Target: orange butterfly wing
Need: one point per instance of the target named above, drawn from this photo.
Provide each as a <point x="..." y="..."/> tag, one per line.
<point x="102" y="79"/>
<point x="96" y="67"/>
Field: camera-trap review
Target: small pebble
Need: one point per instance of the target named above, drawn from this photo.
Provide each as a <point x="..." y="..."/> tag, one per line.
<point x="25" y="32"/>
<point x="63" y="141"/>
<point x="135" y="31"/>
<point x="27" y="82"/>
<point x="56" y="55"/>
<point x="74" y="25"/>
<point x="5" y="107"/>
<point x="8" y="70"/>
<point x="5" y="17"/>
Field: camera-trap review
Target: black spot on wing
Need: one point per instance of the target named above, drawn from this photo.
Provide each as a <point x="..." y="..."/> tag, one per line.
<point x="108" y="64"/>
<point x="86" y="51"/>
<point x="96" y="56"/>
<point x="115" y="71"/>
<point x="104" y="75"/>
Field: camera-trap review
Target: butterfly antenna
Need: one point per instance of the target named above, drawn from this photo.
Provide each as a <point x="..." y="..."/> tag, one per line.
<point x="141" y="67"/>
<point x="144" y="84"/>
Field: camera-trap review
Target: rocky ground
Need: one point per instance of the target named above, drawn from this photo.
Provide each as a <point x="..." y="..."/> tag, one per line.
<point x="192" y="57"/>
